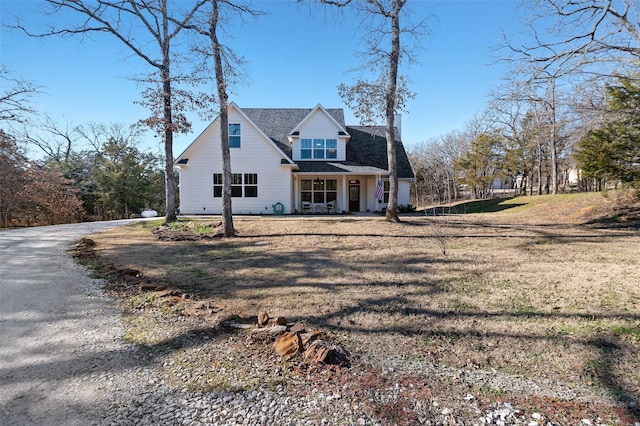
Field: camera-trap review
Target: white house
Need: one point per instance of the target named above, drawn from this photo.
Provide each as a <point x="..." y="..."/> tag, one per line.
<point x="291" y="161"/>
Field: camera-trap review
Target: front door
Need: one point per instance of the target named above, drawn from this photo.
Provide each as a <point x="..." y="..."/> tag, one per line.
<point x="354" y="198"/>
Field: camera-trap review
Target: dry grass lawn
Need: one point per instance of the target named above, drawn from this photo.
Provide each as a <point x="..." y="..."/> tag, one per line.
<point x="530" y="290"/>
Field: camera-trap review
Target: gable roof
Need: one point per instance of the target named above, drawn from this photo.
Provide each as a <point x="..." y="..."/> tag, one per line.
<point x="260" y="127"/>
<point x="278" y="123"/>
<point x="319" y="107"/>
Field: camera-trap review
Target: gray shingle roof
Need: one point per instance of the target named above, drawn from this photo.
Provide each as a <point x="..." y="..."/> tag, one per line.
<point x="277" y="123"/>
<point x="368" y="147"/>
<point x="366" y="150"/>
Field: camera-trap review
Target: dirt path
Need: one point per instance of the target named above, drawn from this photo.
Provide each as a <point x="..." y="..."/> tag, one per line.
<point x="59" y="339"/>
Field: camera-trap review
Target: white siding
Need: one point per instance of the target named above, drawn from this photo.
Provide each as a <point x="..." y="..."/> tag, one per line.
<point x="319" y="126"/>
<point x="255" y="155"/>
<point x="404" y="197"/>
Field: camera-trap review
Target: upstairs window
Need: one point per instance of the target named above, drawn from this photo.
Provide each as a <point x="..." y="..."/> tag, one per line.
<point x="318" y="149"/>
<point x="332" y="148"/>
<point x="305" y="149"/>
<point x="234" y="135"/>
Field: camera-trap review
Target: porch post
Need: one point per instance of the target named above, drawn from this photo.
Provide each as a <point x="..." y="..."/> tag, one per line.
<point x="375" y="195"/>
<point x="295" y="194"/>
<point x="345" y="194"/>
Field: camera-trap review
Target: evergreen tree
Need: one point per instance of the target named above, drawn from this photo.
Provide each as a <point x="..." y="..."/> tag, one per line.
<point x="125" y="180"/>
<point x="612" y="152"/>
<point x="480" y="164"/>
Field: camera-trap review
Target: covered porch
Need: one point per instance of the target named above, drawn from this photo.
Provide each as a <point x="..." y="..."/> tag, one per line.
<point x="336" y="193"/>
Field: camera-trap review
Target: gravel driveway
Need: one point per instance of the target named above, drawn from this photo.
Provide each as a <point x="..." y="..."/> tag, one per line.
<point x="60" y="344"/>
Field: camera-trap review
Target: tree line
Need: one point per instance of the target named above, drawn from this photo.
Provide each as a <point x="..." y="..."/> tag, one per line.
<point x="509" y="146"/>
<point x="565" y="118"/>
<point x="111" y="179"/>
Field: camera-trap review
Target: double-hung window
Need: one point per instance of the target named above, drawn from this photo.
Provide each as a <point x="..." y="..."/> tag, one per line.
<point x="332" y="148"/>
<point x="386" y="190"/>
<point x="251" y="185"/>
<point x="305" y="149"/>
<point x="318" y="149"/>
<point x="236" y="184"/>
<point x="234" y="135"/>
<point x="217" y="185"/>
<point x="242" y="185"/>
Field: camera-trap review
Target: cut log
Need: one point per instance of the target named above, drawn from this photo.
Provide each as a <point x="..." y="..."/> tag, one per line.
<point x="288" y="345"/>
<point x="310" y="337"/>
<point x="322" y="352"/>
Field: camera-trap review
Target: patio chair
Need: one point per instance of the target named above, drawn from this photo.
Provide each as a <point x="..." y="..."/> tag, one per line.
<point x="306" y="207"/>
<point x="330" y="207"/>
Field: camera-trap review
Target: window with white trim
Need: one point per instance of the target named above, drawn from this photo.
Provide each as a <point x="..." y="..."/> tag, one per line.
<point x="234" y="135"/>
<point x="242" y="185"/>
<point x="318" y="149"/>
<point x="305" y="149"/>
<point x="318" y="191"/>
<point x="385" y="186"/>
<point x="331" y="146"/>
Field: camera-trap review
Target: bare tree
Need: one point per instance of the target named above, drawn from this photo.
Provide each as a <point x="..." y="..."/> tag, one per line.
<point x="15" y="97"/>
<point x="161" y="21"/>
<point x="581" y="40"/>
<point x="385" y="95"/>
<point x="53" y="139"/>
<point x="225" y="65"/>
<point x="601" y="32"/>
<point x="433" y="164"/>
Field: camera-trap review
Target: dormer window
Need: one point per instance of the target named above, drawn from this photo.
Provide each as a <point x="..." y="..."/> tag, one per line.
<point x="305" y="149"/>
<point x="318" y="149"/>
<point x="332" y="148"/>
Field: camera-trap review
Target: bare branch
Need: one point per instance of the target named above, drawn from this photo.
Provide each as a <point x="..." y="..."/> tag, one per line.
<point x="15" y="97"/>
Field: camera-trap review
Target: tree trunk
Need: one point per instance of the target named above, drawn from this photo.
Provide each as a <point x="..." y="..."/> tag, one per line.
<point x="170" y="196"/>
<point x="554" y="141"/>
<point x="227" y="216"/>
<point x="394" y="59"/>
<point x="539" y="168"/>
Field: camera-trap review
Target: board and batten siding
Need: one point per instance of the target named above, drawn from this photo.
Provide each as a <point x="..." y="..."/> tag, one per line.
<point x="404" y="192"/>
<point x="255" y="155"/>
<point x="404" y="195"/>
<point x="319" y="126"/>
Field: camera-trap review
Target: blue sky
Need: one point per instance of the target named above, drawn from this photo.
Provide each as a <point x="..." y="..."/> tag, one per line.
<point x="296" y="57"/>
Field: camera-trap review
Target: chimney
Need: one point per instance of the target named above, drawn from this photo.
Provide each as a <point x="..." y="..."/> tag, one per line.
<point x="397" y="122"/>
